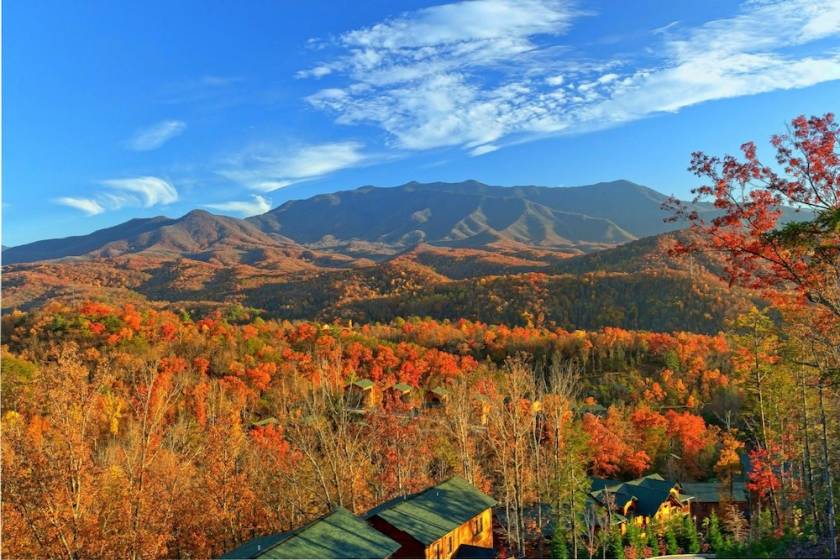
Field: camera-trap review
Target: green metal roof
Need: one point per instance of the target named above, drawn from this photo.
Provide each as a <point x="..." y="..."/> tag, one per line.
<point x="254" y="547"/>
<point x="403" y="387"/>
<point x="710" y="492"/>
<point x="339" y="534"/>
<point x="440" y="391"/>
<point x="363" y="383"/>
<point x="650" y="492"/>
<point x="431" y="514"/>
<point x="595" y="510"/>
<point x="602" y="483"/>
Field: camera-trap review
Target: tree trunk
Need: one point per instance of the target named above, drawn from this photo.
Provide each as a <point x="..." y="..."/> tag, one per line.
<point x="829" y="489"/>
<point x="806" y="449"/>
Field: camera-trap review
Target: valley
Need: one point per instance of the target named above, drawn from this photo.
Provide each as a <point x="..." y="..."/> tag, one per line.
<point x="521" y="255"/>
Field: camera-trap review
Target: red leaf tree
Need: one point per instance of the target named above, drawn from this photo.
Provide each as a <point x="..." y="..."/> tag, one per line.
<point x="799" y="257"/>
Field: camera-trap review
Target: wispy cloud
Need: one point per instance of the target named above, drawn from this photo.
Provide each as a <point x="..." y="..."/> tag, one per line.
<point x="155" y="136"/>
<point x="87" y="205"/>
<point x="483" y="149"/>
<point x="151" y="190"/>
<point x="257" y="205"/>
<point x="267" y="169"/>
<point x="121" y="193"/>
<point x="483" y="73"/>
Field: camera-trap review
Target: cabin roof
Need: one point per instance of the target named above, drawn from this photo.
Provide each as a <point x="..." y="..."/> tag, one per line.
<point x="253" y="548"/>
<point x="429" y="515"/>
<point x="601" y="483"/>
<point x="710" y="492"/>
<point x="363" y="383"/>
<point x="339" y="534"/>
<point x="402" y="387"/>
<point x="619" y="498"/>
<point x="650" y="492"/>
<point x="592" y="506"/>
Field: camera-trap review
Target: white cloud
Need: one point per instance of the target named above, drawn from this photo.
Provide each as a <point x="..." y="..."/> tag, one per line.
<point x="135" y="191"/>
<point x="151" y="190"/>
<point x="155" y="136"/>
<point x="317" y="72"/>
<point x="245" y="208"/>
<point x="267" y="169"/>
<point x="86" y="205"/>
<point x="483" y="149"/>
<point x="473" y="74"/>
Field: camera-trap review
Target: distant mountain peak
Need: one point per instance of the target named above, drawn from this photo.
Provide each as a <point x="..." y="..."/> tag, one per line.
<point x="466" y="214"/>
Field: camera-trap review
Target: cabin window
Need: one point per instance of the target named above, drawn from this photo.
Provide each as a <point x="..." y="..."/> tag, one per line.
<point x="437" y="550"/>
<point x="478" y="525"/>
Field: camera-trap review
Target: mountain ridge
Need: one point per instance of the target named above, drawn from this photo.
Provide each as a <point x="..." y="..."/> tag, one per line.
<point x="375" y="222"/>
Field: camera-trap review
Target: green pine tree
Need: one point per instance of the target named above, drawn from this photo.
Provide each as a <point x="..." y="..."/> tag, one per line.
<point x="617" y="543"/>
<point x="691" y="540"/>
<point x="671" y="544"/>
<point x="714" y="535"/>
<point x="652" y="538"/>
<point x="634" y="538"/>
<point x="559" y="549"/>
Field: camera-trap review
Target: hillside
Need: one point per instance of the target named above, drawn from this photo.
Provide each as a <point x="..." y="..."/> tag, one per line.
<point x="379" y="222"/>
<point x="556" y="256"/>
<point x="472" y="214"/>
<point x="636" y="285"/>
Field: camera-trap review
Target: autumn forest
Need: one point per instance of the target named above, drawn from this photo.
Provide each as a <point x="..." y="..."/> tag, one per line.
<point x="143" y="420"/>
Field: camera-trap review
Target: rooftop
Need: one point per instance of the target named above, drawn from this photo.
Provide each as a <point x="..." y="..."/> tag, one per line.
<point x="650" y="492"/>
<point x="363" y="383"/>
<point x="710" y="492"/>
<point x="429" y="515"/>
<point x="339" y="534"/>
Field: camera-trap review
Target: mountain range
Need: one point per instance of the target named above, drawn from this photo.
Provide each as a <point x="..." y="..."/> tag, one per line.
<point x="446" y="250"/>
<point x="372" y="221"/>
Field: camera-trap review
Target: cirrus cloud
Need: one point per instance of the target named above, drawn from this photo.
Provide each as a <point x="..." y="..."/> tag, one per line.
<point x="265" y="169"/>
<point x="244" y="208"/>
<point x="87" y="205"/>
<point x="151" y="190"/>
<point x="484" y="73"/>
<point x="155" y="136"/>
<point x="120" y="193"/>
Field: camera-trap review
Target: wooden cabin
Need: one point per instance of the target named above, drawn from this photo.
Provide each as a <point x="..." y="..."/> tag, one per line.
<point x="361" y="394"/>
<point x="402" y="392"/>
<point x="437" y="397"/>
<point x="270" y="421"/>
<point x="451" y="520"/>
<point x="339" y="534"/>
<point x="644" y="500"/>
<point x="708" y="497"/>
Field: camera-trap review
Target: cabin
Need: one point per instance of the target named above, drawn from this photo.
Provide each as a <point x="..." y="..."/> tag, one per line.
<point x="361" y="394"/>
<point x="402" y="392"/>
<point x="644" y="500"/>
<point x="270" y="421"/>
<point x="437" y="397"/>
<point x="339" y="534"/>
<point x="450" y="520"/>
<point x="708" y="497"/>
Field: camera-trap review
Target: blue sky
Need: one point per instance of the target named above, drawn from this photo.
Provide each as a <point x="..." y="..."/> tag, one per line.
<point x="115" y="110"/>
